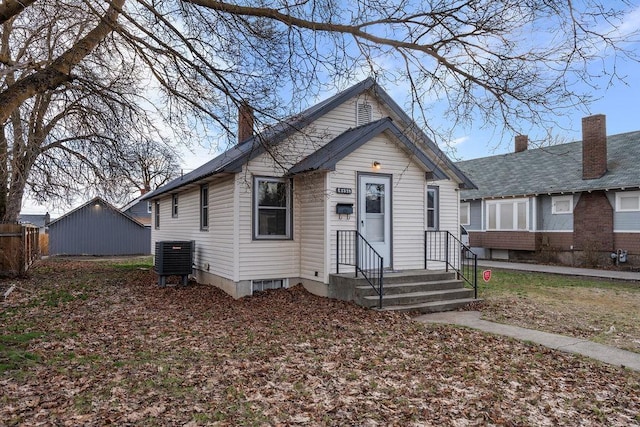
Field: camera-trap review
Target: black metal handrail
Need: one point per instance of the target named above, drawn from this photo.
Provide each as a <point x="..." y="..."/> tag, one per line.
<point x="353" y="249"/>
<point x="442" y="246"/>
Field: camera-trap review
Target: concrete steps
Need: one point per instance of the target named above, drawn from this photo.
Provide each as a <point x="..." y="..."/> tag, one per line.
<point x="424" y="291"/>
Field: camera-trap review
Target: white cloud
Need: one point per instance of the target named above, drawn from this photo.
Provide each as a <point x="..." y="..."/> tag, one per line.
<point x="458" y="141"/>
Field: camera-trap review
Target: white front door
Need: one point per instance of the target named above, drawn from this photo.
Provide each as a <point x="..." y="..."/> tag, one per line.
<point x="374" y="213"/>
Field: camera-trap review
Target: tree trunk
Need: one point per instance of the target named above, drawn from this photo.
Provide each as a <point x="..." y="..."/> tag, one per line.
<point x="11" y="8"/>
<point x="4" y="175"/>
<point x="59" y="71"/>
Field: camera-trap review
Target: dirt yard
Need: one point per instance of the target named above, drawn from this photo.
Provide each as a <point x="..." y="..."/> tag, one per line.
<point x="99" y="343"/>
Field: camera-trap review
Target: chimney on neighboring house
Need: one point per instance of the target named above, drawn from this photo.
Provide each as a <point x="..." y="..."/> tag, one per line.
<point x="144" y="191"/>
<point x="522" y="143"/>
<point x="594" y="146"/>
<point x="245" y="122"/>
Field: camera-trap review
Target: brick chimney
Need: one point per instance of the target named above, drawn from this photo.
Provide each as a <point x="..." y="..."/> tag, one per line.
<point x="594" y="146"/>
<point x="245" y="122"/>
<point x="522" y="143"/>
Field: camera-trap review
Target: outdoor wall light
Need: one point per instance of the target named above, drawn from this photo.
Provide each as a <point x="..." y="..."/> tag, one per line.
<point x="377" y="165"/>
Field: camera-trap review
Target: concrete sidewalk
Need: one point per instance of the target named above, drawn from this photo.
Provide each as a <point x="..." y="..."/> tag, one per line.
<point x="603" y="353"/>
<point x="557" y="269"/>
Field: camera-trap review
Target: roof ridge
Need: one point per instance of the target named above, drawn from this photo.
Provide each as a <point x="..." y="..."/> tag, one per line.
<point x="542" y="148"/>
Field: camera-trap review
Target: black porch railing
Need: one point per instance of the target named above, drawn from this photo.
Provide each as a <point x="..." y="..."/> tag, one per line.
<point x="444" y="247"/>
<point x="353" y="249"/>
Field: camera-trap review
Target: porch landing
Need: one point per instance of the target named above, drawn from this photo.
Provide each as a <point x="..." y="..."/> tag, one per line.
<point x="424" y="291"/>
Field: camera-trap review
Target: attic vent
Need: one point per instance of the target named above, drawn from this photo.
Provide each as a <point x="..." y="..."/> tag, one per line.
<point x="263" y="285"/>
<point x="363" y="113"/>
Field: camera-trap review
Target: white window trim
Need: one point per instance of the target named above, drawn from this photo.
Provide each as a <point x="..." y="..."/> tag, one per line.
<point x="555" y="199"/>
<point x="513" y="202"/>
<point x="289" y="224"/>
<point x="626" y="194"/>
<point x="467" y="207"/>
<point x="204" y="204"/>
<point x="156" y="214"/>
<point x="436" y="208"/>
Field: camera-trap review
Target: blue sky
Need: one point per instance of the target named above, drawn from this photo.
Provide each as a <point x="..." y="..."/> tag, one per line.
<point x="618" y="102"/>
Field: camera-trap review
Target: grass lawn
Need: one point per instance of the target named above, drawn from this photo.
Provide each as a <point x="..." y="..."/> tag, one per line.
<point x="602" y="311"/>
<point x="92" y="343"/>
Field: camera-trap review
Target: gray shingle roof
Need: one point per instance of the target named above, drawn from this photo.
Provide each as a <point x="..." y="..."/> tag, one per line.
<point x="337" y="149"/>
<point x="554" y="170"/>
<point x="231" y="161"/>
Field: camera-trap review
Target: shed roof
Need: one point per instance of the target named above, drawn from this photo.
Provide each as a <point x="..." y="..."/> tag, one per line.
<point x="93" y="201"/>
<point x="553" y="170"/>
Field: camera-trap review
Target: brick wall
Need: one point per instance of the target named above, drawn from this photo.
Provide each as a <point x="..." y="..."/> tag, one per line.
<point x="516" y="240"/>
<point x="594" y="146"/>
<point x="555" y="241"/>
<point x="593" y="222"/>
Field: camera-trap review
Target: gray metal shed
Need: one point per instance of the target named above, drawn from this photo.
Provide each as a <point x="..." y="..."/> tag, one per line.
<point x="98" y="228"/>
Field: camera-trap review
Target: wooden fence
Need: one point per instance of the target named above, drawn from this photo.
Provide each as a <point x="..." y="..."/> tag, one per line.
<point x="19" y="248"/>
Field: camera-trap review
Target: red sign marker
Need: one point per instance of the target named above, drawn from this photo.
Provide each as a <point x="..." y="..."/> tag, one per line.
<point x="486" y="275"/>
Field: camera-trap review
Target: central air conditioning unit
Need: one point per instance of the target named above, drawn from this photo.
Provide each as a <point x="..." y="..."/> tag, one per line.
<point x="174" y="258"/>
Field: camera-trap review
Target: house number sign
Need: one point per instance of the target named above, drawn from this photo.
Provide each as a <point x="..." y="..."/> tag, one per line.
<point x="343" y="190"/>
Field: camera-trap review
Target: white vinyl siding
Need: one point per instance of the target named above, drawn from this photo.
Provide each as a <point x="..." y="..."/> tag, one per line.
<point x="214" y="248"/>
<point x="281" y="258"/>
<point x="311" y="213"/>
<point x="229" y="249"/>
<point x="408" y="210"/>
<point x="449" y="218"/>
<point x="263" y="259"/>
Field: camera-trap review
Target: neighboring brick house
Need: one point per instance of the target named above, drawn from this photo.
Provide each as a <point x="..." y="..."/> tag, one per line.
<point x="575" y="203"/>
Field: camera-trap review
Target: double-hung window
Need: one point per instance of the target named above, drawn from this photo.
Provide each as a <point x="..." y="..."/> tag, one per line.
<point x="156" y="211"/>
<point x="204" y="207"/>
<point x="465" y="213"/>
<point x="508" y="215"/>
<point x="174" y="206"/>
<point x="271" y="208"/>
<point x="432" y="208"/>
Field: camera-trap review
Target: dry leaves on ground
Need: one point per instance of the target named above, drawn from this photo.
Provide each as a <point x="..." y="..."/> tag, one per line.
<point x="108" y="346"/>
<point x="607" y="314"/>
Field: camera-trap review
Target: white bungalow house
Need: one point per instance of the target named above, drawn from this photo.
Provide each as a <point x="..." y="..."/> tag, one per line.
<point x="355" y="161"/>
